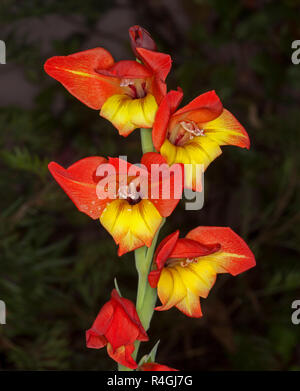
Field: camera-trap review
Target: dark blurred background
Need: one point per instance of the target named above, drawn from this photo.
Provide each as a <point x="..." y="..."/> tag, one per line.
<point x="57" y="265"/>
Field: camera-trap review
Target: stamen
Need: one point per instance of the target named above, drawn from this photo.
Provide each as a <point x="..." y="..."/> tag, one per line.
<point x="123" y="192"/>
<point x="192" y="127"/>
<point x="135" y="88"/>
<point x="187" y="261"/>
<point x="129" y="193"/>
<point x="126" y="82"/>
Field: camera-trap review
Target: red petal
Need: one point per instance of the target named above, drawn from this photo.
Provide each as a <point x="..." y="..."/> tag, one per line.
<point x="103" y="319"/>
<point x="165" y="248"/>
<point x="174" y="98"/>
<point x="150" y="158"/>
<point x="161" y="255"/>
<point x="130" y="309"/>
<point x="163" y="114"/>
<point x="204" y="108"/>
<point x="230" y="243"/>
<point x="94" y="340"/>
<point x="122" y="330"/>
<point x="79" y="181"/>
<point x="158" y="89"/>
<point x="160" y="63"/>
<point x="77" y="73"/>
<point x="166" y="186"/>
<point x="122" y="166"/>
<point x="126" y="69"/>
<point x="153" y="278"/>
<point x="166" y="203"/>
<point x="187" y="248"/>
<point x="152" y="366"/>
<point x="168" y="177"/>
<point x="122" y="355"/>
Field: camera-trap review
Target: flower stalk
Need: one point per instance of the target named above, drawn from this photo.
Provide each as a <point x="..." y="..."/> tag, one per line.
<point x="146" y="296"/>
<point x="146" y="140"/>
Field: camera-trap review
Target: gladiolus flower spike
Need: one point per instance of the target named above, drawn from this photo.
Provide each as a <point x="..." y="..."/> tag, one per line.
<point x="131" y="201"/>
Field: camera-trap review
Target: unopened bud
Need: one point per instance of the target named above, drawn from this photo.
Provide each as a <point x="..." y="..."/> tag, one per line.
<point x="140" y="38"/>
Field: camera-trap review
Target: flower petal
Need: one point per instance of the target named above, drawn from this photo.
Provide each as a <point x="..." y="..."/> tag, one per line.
<point x="126" y="69"/>
<point x="165" y="248"/>
<point x="234" y="257"/>
<point x="79" y="181"/>
<point x="168" y="105"/>
<point x="152" y="366"/>
<point x="94" y="340"/>
<point x="226" y="130"/>
<point x="190" y="305"/>
<point x="170" y="297"/>
<point x="78" y="74"/>
<point x="122" y="355"/>
<point x="127" y="114"/>
<point x="206" y="273"/>
<point x="130" y="309"/>
<point x="193" y="281"/>
<point x="150" y="158"/>
<point x="165" y="183"/>
<point x="187" y="248"/>
<point x="131" y="226"/>
<point x="122" y="330"/>
<point x="199" y="150"/>
<point x="160" y="63"/>
<point x="161" y="255"/>
<point x="104" y="318"/>
<point x="204" y="108"/>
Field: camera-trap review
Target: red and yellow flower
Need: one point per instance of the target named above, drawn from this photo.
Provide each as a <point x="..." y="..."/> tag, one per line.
<point x="193" y="135"/>
<point x="134" y="209"/>
<point x="127" y="92"/>
<point x="186" y="269"/>
<point x="153" y="366"/>
<point x="117" y="327"/>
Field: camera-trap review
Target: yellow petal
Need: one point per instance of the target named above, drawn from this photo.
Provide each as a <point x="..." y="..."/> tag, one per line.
<point x="206" y="273"/>
<point x="178" y="292"/>
<point x="198" y="151"/>
<point x="190" y="305"/>
<point x="193" y="281"/>
<point x="222" y="262"/>
<point x="127" y="114"/>
<point x="226" y="130"/>
<point x="131" y="226"/>
<point x="146" y="222"/>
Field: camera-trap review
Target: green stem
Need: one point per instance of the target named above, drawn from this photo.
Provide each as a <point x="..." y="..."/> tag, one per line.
<point x="146" y="296"/>
<point x="146" y="140"/>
